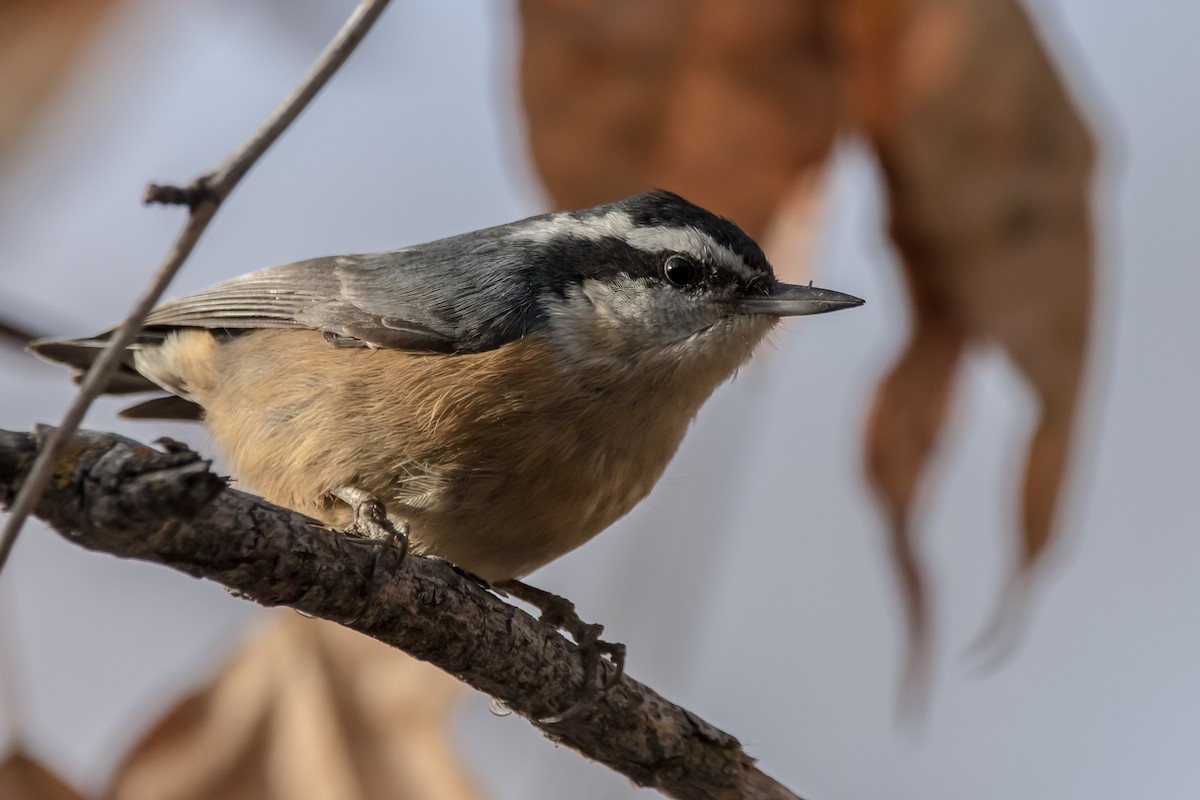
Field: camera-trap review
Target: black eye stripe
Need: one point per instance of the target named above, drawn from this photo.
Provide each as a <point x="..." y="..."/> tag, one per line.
<point x="569" y="261"/>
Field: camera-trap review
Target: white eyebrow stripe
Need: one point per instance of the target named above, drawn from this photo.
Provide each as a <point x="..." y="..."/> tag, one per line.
<point x="689" y="241"/>
<point x="619" y="225"/>
<point x="614" y="224"/>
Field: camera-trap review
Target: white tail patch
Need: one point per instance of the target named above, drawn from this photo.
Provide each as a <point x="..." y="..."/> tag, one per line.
<point x="176" y="364"/>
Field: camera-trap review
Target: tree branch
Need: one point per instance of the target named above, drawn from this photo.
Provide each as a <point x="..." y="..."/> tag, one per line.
<point x="15" y="333"/>
<point x="203" y="197"/>
<point x="119" y="496"/>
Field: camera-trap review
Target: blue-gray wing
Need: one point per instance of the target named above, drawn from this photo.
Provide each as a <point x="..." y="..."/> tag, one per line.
<point x="452" y="296"/>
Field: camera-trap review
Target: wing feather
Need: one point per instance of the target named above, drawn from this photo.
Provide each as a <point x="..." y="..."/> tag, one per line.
<point x="426" y="298"/>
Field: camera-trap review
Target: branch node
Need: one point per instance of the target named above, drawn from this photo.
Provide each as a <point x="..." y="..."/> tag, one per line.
<point x="191" y="195"/>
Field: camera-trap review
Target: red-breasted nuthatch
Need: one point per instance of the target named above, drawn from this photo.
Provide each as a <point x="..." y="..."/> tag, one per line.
<point x="507" y="393"/>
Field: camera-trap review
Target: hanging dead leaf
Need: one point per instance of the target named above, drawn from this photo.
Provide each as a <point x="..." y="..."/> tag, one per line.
<point x="308" y="710"/>
<point x="22" y="778"/>
<point x="988" y="167"/>
<point x="38" y="43"/>
<point x="732" y="105"/>
<point x="986" y="160"/>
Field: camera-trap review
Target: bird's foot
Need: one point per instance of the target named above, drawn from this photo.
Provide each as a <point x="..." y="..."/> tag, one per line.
<point x="560" y="612"/>
<point x="371" y="526"/>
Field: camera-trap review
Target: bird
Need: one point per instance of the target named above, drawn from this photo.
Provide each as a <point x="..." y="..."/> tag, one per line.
<point x="503" y="394"/>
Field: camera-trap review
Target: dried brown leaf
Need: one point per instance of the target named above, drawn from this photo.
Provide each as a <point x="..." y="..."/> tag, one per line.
<point x="988" y="167"/>
<point x="22" y="778"/>
<point x="986" y="159"/>
<point x="732" y="105"/>
<point x="38" y="43"/>
<point x="307" y="710"/>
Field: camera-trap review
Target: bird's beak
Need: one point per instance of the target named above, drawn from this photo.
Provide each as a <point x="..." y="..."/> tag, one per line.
<point x="789" y="300"/>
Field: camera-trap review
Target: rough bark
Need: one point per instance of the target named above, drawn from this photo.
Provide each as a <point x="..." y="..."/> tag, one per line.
<point x="122" y="497"/>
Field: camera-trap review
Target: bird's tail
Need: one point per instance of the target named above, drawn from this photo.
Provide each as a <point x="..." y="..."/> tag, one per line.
<point x="80" y="354"/>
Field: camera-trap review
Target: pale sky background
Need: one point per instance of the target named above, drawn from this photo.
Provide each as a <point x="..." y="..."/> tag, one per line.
<point x="752" y="586"/>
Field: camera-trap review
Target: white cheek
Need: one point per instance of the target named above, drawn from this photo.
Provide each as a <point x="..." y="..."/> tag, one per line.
<point x="603" y="330"/>
<point x="622" y="305"/>
<point x="612" y="325"/>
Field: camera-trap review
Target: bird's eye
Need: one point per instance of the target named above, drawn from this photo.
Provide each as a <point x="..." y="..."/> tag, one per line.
<point x="682" y="271"/>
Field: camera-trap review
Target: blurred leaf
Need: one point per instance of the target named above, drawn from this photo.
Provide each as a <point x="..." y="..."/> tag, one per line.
<point x="22" y="778"/>
<point x="988" y="169"/>
<point x="732" y="105"/>
<point x="308" y="710"/>
<point x="39" y="41"/>
<point x="987" y="163"/>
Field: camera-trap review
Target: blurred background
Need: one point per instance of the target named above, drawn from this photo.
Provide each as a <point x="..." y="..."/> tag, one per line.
<point x="755" y="586"/>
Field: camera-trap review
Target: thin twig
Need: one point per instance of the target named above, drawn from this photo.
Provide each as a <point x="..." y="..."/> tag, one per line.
<point x="13" y="332"/>
<point x="122" y="497"/>
<point x="203" y="196"/>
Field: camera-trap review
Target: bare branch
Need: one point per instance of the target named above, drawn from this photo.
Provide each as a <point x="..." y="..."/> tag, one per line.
<point x="116" y="495"/>
<point x="14" y="333"/>
<point x="203" y="196"/>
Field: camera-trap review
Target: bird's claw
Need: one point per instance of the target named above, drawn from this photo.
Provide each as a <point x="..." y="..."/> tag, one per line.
<point x="599" y="674"/>
<point x="372" y="528"/>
